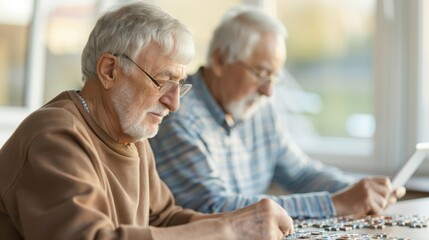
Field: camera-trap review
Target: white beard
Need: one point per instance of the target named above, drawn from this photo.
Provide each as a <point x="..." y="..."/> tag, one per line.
<point x="133" y="124"/>
<point x="246" y="107"/>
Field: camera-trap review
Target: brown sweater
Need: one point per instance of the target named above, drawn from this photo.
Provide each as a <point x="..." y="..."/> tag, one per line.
<point x="63" y="177"/>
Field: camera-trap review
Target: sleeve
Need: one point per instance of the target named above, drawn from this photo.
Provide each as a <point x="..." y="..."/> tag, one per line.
<point x="185" y="163"/>
<point x="58" y="194"/>
<point x="297" y="173"/>
<point x="187" y="166"/>
<point x="311" y="181"/>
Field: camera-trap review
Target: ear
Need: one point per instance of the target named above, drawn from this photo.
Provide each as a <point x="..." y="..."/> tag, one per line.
<point x="218" y="62"/>
<point x="106" y="70"/>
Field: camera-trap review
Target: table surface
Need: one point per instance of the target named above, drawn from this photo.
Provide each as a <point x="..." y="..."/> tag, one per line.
<point x="418" y="207"/>
<point x="410" y="207"/>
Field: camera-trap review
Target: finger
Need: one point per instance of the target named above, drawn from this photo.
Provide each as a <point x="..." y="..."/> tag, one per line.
<point x="382" y="188"/>
<point x="377" y="203"/>
<point x="384" y="185"/>
<point x="392" y="200"/>
<point x="286" y="225"/>
<point x="287" y="233"/>
<point x="291" y="230"/>
<point x="280" y="234"/>
<point x="380" y="179"/>
<point x="282" y="231"/>
<point x="284" y="221"/>
<point x="400" y="192"/>
<point x="397" y="194"/>
<point x="384" y="181"/>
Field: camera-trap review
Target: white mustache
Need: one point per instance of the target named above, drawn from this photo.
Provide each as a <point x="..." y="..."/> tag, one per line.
<point x="159" y="110"/>
<point x="161" y="114"/>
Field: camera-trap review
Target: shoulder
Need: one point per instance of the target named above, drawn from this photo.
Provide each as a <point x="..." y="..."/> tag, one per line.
<point x="47" y="137"/>
<point x="60" y="115"/>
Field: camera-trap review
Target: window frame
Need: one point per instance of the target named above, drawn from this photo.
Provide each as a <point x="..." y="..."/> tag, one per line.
<point x="399" y="67"/>
<point x="424" y="134"/>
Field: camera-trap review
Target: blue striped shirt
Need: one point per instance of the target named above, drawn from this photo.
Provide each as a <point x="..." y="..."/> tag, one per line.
<point x="211" y="167"/>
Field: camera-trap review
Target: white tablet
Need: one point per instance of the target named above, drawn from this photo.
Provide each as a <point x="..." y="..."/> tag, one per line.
<point x="405" y="173"/>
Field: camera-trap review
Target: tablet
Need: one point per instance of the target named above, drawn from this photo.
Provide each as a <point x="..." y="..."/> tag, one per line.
<point x="408" y="169"/>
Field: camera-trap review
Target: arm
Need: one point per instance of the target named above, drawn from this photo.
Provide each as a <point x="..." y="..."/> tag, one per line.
<point x="369" y="195"/>
<point x="297" y="173"/>
<point x="295" y="170"/>
<point x="74" y="205"/>
<point x="187" y="165"/>
<point x="56" y="186"/>
<point x="263" y="220"/>
<point x="59" y="194"/>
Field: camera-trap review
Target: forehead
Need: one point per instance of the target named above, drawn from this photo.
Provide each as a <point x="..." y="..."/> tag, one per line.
<point x="270" y="48"/>
<point x="161" y="64"/>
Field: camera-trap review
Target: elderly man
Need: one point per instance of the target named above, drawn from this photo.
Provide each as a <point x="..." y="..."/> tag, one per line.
<point x="81" y="168"/>
<point x="224" y="147"/>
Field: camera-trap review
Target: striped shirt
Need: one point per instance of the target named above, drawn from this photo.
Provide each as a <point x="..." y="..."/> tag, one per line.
<point x="212" y="167"/>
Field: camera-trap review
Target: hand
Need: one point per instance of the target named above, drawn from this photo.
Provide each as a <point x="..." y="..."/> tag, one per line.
<point x="368" y="196"/>
<point x="262" y="220"/>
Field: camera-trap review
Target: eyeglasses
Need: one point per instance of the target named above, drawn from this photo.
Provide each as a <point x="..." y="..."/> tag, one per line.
<point x="164" y="85"/>
<point x="260" y="78"/>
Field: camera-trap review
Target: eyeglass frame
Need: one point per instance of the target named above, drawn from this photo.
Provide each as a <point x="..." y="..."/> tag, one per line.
<point x="262" y="80"/>
<point x="183" y="86"/>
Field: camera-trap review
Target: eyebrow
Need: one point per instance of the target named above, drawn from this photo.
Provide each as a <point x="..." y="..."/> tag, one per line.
<point x="171" y="75"/>
<point x="265" y="67"/>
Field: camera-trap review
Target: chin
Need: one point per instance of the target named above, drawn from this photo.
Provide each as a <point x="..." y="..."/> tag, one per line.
<point x="245" y="112"/>
<point x="152" y="134"/>
<point x="140" y="132"/>
<point x="245" y="108"/>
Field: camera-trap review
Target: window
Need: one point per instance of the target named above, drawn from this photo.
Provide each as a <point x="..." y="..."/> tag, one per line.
<point x="330" y="56"/>
<point x="353" y="80"/>
<point x="328" y="91"/>
<point x="63" y="46"/>
<point x="15" y="19"/>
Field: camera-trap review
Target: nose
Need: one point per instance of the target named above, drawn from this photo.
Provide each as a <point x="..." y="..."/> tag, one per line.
<point x="266" y="89"/>
<point x="171" y="99"/>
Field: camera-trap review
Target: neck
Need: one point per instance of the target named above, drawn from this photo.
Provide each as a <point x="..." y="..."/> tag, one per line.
<point x="100" y="106"/>
<point x="214" y="85"/>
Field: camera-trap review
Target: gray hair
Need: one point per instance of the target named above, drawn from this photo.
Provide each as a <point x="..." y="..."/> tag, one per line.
<point x="239" y="31"/>
<point x="129" y="30"/>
